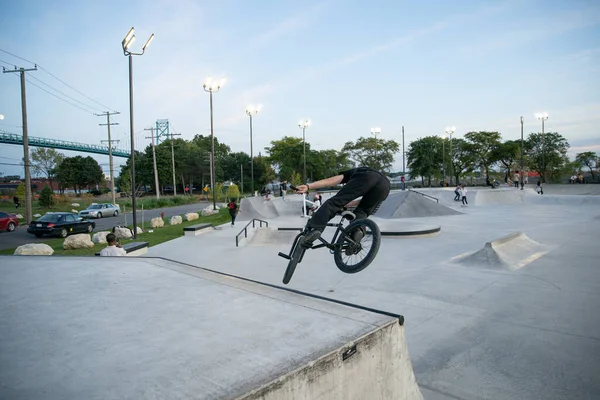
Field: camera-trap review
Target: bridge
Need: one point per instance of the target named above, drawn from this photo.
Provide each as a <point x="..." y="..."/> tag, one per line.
<point x="12" y="138"/>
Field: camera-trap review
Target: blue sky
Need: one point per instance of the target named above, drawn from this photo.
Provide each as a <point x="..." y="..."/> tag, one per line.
<point x="346" y="65"/>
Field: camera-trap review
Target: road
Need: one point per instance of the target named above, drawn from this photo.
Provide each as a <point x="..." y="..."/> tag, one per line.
<point x="20" y="235"/>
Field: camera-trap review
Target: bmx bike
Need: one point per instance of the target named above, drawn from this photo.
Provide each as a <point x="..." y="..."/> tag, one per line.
<point x="351" y="253"/>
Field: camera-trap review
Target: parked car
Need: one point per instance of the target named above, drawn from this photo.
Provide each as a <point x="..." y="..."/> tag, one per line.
<point x="99" y="210"/>
<point x="60" y="224"/>
<point x="8" y="222"/>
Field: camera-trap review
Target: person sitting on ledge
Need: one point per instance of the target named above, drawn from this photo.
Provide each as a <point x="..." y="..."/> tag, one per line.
<point x="113" y="249"/>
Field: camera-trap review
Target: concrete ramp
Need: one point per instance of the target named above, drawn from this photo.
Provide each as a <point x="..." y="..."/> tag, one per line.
<point x="257" y="207"/>
<point x="272" y="237"/>
<point x="407" y="204"/>
<point x="144" y="328"/>
<point x="511" y="253"/>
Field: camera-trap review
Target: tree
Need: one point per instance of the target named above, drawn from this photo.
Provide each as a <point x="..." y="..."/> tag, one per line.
<point x="233" y="191"/>
<point x="372" y="152"/>
<point x="547" y="152"/>
<point x="423" y="158"/>
<point x="79" y="172"/>
<point x="463" y="159"/>
<point x="325" y="163"/>
<point x="124" y="180"/>
<point x="44" y="161"/>
<point x="506" y="154"/>
<point x="20" y="191"/>
<point x="46" y="197"/>
<point x="483" y="147"/>
<point x="587" y="159"/>
<point x="287" y="156"/>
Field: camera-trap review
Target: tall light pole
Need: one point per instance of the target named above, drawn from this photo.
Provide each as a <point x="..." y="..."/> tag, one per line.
<point x="450" y="131"/>
<point x="522" y="172"/>
<point x="303" y="125"/>
<point x="543" y="117"/>
<point x="210" y="86"/>
<point x="444" y="159"/>
<point x="251" y="111"/>
<point x="375" y="132"/>
<point x="127" y="42"/>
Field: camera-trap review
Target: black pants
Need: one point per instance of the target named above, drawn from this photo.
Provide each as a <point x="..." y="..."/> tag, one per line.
<point x="233" y="215"/>
<point x="371" y="185"/>
<point x="464" y="200"/>
<point x="457" y="195"/>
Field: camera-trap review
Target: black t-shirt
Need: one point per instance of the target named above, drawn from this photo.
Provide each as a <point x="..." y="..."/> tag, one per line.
<point x="350" y="172"/>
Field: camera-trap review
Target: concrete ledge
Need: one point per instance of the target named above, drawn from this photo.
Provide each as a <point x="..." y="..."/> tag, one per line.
<point x="134" y="249"/>
<point x="197" y="229"/>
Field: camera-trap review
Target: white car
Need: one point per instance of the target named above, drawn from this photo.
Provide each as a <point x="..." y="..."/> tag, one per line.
<point x="101" y="210"/>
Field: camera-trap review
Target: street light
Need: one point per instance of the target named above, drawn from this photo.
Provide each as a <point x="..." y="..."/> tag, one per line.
<point x="250" y="111"/>
<point x="211" y="85"/>
<point x="375" y="132"/>
<point x="303" y="125"/>
<point x="450" y="131"/>
<point x="127" y="42"/>
<point x="1" y="117"/>
<point x="543" y="117"/>
<point x="522" y="153"/>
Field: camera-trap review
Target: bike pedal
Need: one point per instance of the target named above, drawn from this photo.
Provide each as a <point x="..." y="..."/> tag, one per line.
<point x="284" y="256"/>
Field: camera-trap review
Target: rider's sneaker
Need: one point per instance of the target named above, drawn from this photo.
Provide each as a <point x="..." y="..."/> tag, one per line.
<point x="357" y="236"/>
<point x="310" y="237"/>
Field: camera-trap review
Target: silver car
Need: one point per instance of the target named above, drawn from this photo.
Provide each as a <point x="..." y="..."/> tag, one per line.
<point x="99" y="210"/>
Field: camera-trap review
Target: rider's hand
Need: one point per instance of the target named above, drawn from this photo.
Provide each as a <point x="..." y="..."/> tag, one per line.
<point x="301" y="189"/>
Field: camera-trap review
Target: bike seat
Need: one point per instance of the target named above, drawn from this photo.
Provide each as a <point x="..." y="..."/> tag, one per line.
<point x="349" y="215"/>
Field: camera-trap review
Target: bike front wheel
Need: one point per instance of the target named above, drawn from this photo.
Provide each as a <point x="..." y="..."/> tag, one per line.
<point x="351" y="257"/>
<point x="296" y="256"/>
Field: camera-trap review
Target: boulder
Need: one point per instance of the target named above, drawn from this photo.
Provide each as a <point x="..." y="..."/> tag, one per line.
<point x="34" y="249"/>
<point x="20" y="216"/>
<point x="74" y="211"/>
<point x="176" y="220"/>
<point x="74" y="204"/>
<point x="100" y="237"/>
<point x="191" y="216"/>
<point x="122" y="233"/>
<point x="138" y="230"/>
<point x="157" y="222"/>
<point x="209" y="211"/>
<point x="79" y="241"/>
<point x="37" y="215"/>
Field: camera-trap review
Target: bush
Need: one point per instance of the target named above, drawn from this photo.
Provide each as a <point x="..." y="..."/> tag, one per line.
<point x="46" y="197"/>
<point x="20" y="192"/>
<point x="95" y="192"/>
<point x="61" y="199"/>
<point x="233" y="192"/>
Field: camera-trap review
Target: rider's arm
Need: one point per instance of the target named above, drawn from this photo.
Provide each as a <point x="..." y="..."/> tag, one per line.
<point x="323" y="183"/>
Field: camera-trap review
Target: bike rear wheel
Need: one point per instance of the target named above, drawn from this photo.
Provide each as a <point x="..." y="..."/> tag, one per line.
<point x="296" y="256"/>
<point x="361" y="254"/>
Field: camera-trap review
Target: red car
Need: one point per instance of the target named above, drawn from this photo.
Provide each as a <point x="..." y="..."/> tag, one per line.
<point x="8" y="222"/>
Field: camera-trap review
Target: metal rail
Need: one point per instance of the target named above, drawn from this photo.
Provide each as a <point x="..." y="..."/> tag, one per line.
<point x="245" y="229"/>
<point x="12" y="138"/>
<point x="425" y="195"/>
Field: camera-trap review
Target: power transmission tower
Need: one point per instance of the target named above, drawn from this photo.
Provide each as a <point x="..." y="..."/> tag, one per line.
<point x="28" y="196"/>
<point x="154" y="158"/>
<point x="110" y="157"/>
<point x="173" y="161"/>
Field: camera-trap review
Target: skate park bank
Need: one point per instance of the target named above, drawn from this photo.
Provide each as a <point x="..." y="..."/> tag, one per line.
<point x="500" y="303"/>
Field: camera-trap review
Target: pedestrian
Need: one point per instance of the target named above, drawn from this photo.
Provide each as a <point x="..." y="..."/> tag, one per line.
<point x="16" y="201"/>
<point x="233" y="210"/>
<point x="402" y="182"/>
<point x="539" y="188"/>
<point x="516" y="180"/>
<point x="463" y="194"/>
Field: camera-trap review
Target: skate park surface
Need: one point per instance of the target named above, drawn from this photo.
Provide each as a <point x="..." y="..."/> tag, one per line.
<point x="500" y="303"/>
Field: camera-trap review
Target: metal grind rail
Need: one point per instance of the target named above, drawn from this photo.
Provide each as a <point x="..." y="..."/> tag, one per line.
<point x="425" y="195"/>
<point x="245" y="229"/>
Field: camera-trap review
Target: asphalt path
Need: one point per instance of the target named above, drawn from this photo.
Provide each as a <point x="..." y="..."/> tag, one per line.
<point x="9" y="240"/>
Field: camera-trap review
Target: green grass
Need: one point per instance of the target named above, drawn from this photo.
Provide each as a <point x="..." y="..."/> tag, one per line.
<point x="160" y="235"/>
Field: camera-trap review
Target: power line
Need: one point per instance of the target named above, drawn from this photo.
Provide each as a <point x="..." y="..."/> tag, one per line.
<point x="57" y="78"/>
<point x="64" y="94"/>
<point x="60" y="98"/>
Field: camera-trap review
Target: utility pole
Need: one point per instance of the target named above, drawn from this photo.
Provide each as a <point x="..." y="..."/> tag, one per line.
<point x="28" y="213"/>
<point x="242" y="178"/>
<point x="154" y="159"/>
<point x="110" y="157"/>
<point x="173" y="161"/>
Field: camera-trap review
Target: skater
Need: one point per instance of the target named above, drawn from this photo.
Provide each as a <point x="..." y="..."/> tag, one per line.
<point x="539" y="188"/>
<point x="372" y="185"/>
<point x="463" y="194"/>
<point x="233" y="210"/>
<point x="457" y="192"/>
